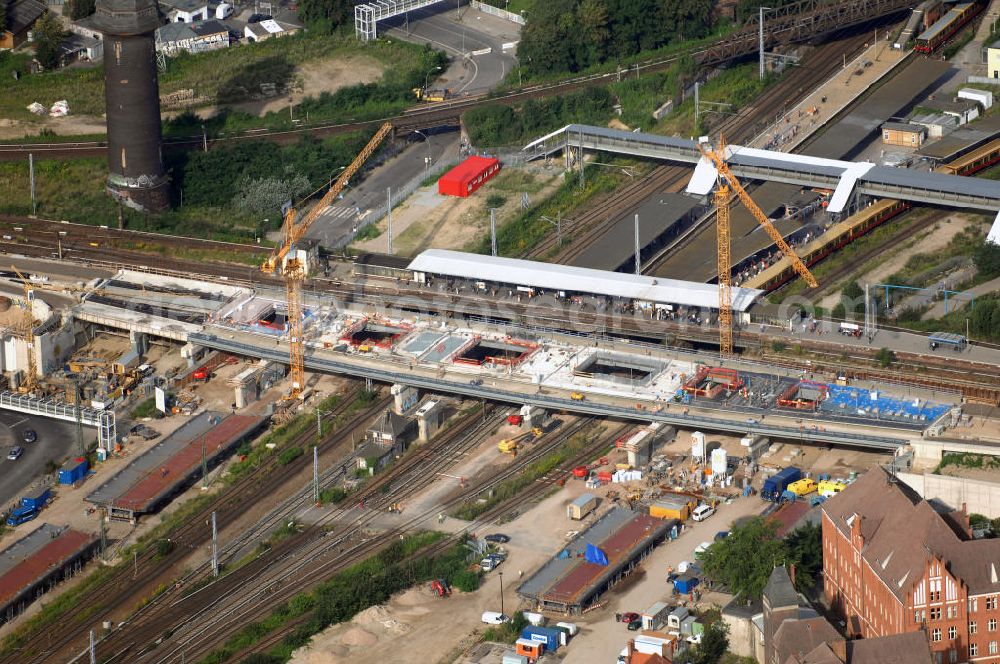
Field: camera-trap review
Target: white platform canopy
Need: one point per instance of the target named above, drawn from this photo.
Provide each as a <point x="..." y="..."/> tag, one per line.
<point x="552" y="277"/>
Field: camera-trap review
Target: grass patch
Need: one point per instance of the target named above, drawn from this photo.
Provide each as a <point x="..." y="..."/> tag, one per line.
<point x="968" y="460"/>
<point x="144" y="409"/>
<point x="370" y="582"/>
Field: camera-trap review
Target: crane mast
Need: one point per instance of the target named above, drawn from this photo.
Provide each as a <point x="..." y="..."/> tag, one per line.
<point x="293" y="267"/>
<point x="727" y="183"/>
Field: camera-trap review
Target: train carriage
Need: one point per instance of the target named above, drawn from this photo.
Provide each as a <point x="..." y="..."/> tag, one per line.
<point x="946" y="27"/>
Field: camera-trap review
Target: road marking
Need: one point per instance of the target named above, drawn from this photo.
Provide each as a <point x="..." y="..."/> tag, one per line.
<point x="19" y="423"/>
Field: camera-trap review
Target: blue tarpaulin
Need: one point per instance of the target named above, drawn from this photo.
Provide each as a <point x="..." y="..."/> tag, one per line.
<point x="595" y="555"/>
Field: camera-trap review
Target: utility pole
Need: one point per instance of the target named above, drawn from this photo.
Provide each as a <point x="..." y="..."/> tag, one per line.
<point x="315" y="474"/>
<point x="319" y="424"/>
<point x="215" y="547"/>
<point x="583" y="181"/>
<point x="388" y="230"/>
<point x="697" y="103"/>
<point x="760" y="41"/>
<point x="31" y="176"/>
<point x="638" y="260"/>
<point x="204" y="136"/>
<point x="104" y="538"/>
<point x="204" y="465"/>
<point x="493" y="230"/>
<point x="559" y="227"/>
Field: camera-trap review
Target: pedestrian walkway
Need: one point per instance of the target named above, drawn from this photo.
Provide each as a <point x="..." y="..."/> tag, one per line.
<point x="830" y="98"/>
<point x="937" y="310"/>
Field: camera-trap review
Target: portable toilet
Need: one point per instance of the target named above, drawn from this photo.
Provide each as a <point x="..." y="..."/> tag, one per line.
<point x="686" y="625"/>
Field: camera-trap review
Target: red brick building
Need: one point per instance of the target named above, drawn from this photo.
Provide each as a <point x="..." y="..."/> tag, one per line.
<point x="893" y="564"/>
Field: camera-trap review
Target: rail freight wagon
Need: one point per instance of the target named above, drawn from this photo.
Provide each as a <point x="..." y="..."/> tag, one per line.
<point x="775" y="485"/>
<point x="946" y="27"/>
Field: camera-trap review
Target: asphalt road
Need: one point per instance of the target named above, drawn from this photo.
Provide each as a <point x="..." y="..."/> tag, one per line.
<point x="334" y="226"/>
<point x="460" y="34"/>
<point x="56" y="441"/>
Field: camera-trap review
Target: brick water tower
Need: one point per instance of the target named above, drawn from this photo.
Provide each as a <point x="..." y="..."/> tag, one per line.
<point x="136" y="177"/>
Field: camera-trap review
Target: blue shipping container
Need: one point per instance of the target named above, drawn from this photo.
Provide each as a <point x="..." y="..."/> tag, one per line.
<point x="551" y="637"/>
<point x="38" y="500"/>
<point x="73" y="471"/>
<point x="774" y="485"/>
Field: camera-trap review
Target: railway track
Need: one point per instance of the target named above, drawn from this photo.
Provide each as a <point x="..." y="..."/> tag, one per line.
<point x="599" y="219"/>
<point x="332" y="542"/>
<point x="254" y="611"/>
<point x="129" y="583"/>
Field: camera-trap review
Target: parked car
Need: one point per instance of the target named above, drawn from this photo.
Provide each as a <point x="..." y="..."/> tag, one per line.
<point x="702" y="512"/>
<point x="701" y="548"/>
<point x="721" y="535"/>
<point x="15" y="453"/>
<point x="635" y="625"/>
<point x="629" y="617"/>
<point x="497" y="538"/>
<point x="29" y="435"/>
<point x="257" y="18"/>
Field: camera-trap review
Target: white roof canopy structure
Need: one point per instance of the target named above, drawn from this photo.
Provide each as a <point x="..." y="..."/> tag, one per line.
<point x="552" y="277"/>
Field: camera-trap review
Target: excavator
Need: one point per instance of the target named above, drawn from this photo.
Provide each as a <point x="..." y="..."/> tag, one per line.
<point x="509" y="445"/>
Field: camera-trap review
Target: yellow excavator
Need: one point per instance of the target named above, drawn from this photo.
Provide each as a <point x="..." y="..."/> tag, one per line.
<point x="509" y="445"/>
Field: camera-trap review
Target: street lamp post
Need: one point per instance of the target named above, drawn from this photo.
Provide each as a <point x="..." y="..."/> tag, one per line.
<point x="501" y="593"/>
<point x="427" y="76"/>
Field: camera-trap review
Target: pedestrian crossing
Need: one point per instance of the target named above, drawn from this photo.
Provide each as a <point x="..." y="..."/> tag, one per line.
<point x="339" y="211"/>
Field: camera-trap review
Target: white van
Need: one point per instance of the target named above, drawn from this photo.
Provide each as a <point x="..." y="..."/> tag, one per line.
<point x="494" y="618"/>
<point x="702" y="512"/>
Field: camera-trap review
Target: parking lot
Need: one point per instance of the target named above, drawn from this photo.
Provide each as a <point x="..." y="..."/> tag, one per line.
<point x="56" y="441"/>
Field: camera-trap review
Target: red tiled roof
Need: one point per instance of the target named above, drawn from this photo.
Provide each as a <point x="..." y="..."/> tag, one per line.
<point x="616" y="547"/>
<point x="34" y="567"/>
<point x="179" y="466"/>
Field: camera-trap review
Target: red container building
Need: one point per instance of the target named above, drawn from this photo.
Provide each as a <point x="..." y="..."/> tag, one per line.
<point x="468" y="176"/>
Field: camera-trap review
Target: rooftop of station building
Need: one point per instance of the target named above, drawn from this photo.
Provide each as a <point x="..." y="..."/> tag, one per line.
<point x="553" y="277"/>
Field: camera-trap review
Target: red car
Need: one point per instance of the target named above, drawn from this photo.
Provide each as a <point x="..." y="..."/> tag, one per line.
<point x="628" y="617"/>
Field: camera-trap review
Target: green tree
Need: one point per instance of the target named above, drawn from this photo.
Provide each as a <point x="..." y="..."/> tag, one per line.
<point x="852" y="297"/>
<point x="985" y="319"/>
<point x="49" y="34"/>
<point x="987" y="259"/>
<point x="885" y="357"/>
<point x="711" y="650"/>
<point x="3" y="14"/>
<point x="77" y="9"/>
<point x="805" y="551"/>
<point x="743" y="561"/>
<point x="325" y="16"/>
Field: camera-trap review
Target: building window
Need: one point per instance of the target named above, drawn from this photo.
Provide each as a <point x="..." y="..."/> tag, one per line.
<point x="936" y="613"/>
<point x="952" y="656"/>
<point x="973" y="605"/>
<point x="953" y="633"/>
<point x="993" y="647"/>
<point x="992" y="625"/>
<point x="972" y="627"/>
<point x="991" y="603"/>
<point x="952" y="611"/>
<point x="973" y="649"/>
<point x="937" y="658"/>
<point x="936" y="634"/>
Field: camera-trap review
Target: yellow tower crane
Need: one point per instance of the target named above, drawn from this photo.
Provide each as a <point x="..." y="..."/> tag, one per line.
<point x="286" y="260"/>
<point x="728" y="182"/>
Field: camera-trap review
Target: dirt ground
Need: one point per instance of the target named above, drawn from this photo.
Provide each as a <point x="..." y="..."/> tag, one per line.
<point x="934" y="239"/>
<point x="429" y="220"/>
<point x="415" y="622"/>
<point x="311" y="79"/>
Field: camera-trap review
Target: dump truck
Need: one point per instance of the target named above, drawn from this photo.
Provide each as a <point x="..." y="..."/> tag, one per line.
<point x="775" y="485"/>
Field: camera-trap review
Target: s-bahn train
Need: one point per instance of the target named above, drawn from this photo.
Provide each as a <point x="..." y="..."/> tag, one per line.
<point x="946" y="26"/>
